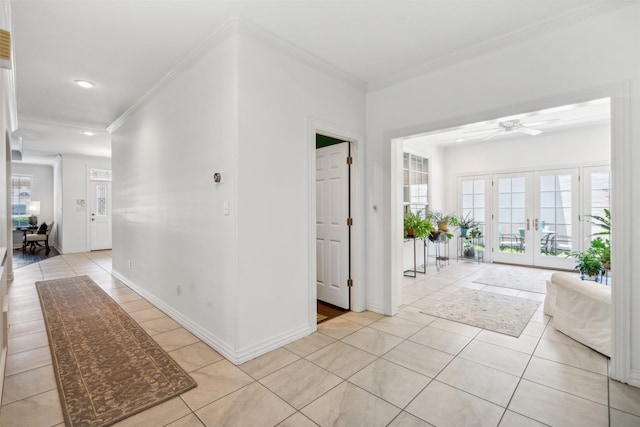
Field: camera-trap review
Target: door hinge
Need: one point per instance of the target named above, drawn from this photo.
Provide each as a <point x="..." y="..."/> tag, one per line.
<point x="349" y="160"/>
<point x="350" y="283"/>
<point x="349" y="222"/>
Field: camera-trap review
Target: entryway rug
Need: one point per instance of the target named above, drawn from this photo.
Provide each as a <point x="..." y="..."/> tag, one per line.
<point x="107" y="367"/>
<point x="524" y="279"/>
<point x="495" y="312"/>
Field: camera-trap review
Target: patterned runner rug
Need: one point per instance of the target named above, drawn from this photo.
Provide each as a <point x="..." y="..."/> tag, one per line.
<point x="107" y="367"/>
<point x="495" y="312"/>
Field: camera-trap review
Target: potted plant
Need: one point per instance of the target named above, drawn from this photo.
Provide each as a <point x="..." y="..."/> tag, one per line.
<point x="466" y="223"/>
<point x="416" y="226"/>
<point x="443" y="220"/>
<point x="602" y="248"/>
<point x="588" y="263"/>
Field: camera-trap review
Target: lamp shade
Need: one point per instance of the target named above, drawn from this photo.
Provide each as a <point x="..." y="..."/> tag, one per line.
<point x="34" y="208"/>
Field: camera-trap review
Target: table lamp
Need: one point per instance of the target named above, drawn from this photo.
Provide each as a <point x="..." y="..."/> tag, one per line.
<point x="34" y="210"/>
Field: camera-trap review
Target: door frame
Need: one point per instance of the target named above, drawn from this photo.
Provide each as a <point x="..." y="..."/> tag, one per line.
<point x="358" y="291"/>
<point x="621" y="172"/>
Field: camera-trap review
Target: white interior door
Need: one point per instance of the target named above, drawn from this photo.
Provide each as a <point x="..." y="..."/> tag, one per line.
<point x="332" y="231"/>
<point x="100" y="210"/>
<point x="536" y="218"/>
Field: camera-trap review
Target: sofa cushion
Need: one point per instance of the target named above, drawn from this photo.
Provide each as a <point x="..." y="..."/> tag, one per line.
<point x="582" y="311"/>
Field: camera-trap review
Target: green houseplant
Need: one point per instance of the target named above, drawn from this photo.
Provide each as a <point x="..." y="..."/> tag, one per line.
<point x="466" y="223"/>
<point x="443" y="220"/>
<point x="416" y="226"/>
<point x="588" y="263"/>
<point x="602" y="248"/>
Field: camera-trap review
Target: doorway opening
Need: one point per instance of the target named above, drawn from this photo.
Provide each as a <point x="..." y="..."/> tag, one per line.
<point x="540" y="173"/>
<point x="333" y="226"/>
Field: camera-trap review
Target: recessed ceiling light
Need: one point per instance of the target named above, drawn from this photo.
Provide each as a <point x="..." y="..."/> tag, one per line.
<point x="460" y="140"/>
<point x="88" y="132"/>
<point x="85" y="84"/>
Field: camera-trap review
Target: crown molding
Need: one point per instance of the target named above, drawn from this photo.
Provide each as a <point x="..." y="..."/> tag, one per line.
<point x="228" y="28"/>
<point x="231" y="26"/>
<point x="69" y="125"/>
<point x="258" y="33"/>
<point x="504" y="40"/>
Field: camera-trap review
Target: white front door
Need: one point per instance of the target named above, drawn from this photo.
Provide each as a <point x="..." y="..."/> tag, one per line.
<point x="100" y="210"/>
<point x="332" y="231"/>
<point x="536" y="218"/>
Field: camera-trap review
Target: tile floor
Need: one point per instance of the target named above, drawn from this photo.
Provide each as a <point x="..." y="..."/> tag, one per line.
<point x="360" y="369"/>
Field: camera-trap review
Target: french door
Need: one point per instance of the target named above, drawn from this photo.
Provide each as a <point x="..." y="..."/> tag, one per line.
<point x="536" y="218"/>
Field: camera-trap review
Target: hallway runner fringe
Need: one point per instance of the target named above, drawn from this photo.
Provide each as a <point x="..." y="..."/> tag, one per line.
<point x="107" y="367"/>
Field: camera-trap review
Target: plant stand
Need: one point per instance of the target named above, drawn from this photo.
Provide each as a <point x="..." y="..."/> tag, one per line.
<point x="413" y="273"/>
<point x="470" y="248"/>
<point x="441" y="246"/>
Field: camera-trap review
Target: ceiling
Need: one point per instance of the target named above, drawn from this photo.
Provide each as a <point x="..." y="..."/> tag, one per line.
<point x="126" y="47"/>
<point x="597" y="111"/>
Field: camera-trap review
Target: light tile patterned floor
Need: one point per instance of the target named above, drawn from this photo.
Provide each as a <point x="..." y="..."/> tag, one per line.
<point x="360" y="369"/>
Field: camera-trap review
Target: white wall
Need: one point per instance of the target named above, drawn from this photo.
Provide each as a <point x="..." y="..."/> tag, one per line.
<point x="41" y="190"/>
<point x="243" y="109"/>
<point x="168" y="218"/>
<point x="550" y="149"/>
<point x="8" y="112"/>
<point x="557" y="66"/>
<point x="73" y="236"/>
<point x="278" y="94"/>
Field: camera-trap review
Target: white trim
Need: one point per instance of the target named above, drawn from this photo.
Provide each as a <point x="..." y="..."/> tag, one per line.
<point x="634" y="379"/>
<point x="3" y="365"/>
<point x="234" y="356"/>
<point x="621" y="244"/>
<point x="359" y="289"/>
<point x="620" y="94"/>
<point x="499" y="42"/>
<point x="228" y="28"/>
<point x="250" y="29"/>
<point x="236" y="25"/>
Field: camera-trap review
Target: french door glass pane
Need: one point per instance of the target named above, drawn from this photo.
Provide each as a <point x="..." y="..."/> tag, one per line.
<point x="511" y="214"/>
<point x="600" y="196"/>
<point x="101" y="200"/>
<point x="556" y="215"/>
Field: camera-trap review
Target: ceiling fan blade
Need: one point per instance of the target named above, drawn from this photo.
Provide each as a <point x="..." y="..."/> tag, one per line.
<point x="542" y="123"/>
<point x="529" y="131"/>
<point x="482" y="130"/>
<point x="492" y="135"/>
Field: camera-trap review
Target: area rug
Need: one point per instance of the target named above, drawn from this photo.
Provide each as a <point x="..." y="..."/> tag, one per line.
<point x="524" y="279"/>
<point x="321" y="318"/>
<point x="495" y="312"/>
<point x="107" y="367"/>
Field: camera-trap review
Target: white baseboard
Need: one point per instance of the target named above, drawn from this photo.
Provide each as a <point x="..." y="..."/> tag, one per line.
<point x="635" y="378"/>
<point x="234" y="356"/>
<point x="3" y="364"/>
<point x="376" y="308"/>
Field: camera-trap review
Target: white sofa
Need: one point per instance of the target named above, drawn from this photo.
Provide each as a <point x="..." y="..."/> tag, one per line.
<point x="581" y="309"/>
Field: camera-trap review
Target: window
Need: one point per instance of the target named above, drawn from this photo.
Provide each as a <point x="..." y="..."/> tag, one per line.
<point x="415" y="184"/>
<point x="20" y="198"/>
<point x="100" y="174"/>
<point x="473" y="200"/>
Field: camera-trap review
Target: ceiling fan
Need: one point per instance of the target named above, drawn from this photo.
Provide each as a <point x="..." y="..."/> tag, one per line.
<point x="514" y="125"/>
